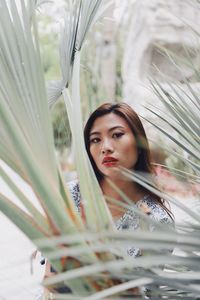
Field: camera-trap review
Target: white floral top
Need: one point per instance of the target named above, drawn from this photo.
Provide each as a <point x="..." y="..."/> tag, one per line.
<point x="130" y="220"/>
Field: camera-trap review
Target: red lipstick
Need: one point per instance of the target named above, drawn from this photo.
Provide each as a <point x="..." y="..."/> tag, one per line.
<point x="109" y="161"/>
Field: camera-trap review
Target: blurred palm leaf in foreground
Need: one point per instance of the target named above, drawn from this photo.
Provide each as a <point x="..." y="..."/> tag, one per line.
<point x="27" y="142"/>
<point x="87" y="254"/>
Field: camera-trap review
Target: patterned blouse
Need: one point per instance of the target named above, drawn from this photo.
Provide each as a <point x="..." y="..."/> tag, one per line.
<point x="130" y="220"/>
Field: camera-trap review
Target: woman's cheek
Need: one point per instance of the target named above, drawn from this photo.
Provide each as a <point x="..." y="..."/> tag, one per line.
<point x="94" y="153"/>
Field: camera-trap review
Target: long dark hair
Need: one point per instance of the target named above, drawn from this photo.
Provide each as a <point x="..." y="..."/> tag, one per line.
<point x="143" y="163"/>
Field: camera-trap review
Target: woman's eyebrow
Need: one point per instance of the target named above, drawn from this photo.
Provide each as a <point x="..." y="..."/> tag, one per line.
<point x="94" y="132"/>
<point x="110" y="129"/>
<point x="116" y="127"/>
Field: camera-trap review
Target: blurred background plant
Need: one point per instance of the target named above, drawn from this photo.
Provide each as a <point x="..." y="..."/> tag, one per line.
<point x="101" y="63"/>
<point x="104" y="70"/>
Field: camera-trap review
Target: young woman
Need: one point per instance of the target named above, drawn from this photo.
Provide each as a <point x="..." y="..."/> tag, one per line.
<point x="114" y="138"/>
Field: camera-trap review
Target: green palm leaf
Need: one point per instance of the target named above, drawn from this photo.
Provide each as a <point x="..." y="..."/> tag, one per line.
<point x="79" y="18"/>
<point x="90" y="270"/>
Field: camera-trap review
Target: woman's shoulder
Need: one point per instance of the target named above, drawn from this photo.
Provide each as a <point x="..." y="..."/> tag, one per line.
<point x="154" y="210"/>
<point x="74" y="190"/>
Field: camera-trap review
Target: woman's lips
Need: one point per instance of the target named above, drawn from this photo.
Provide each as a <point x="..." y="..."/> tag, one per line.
<point x="109" y="161"/>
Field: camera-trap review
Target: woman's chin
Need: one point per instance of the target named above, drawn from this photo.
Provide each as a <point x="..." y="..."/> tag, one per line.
<point x="113" y="173"/>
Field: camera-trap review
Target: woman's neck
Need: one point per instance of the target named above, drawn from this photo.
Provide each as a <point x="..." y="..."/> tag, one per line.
<point x="129" y="188"/>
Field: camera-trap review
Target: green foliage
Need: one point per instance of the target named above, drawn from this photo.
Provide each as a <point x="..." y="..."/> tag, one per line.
<point x="48" y="48"/>
<point x="92" y="91"/>
<point x="61" y="130"/>
<point x="50" y="63"/>
<point x="86" y="253"/>
<point x="174" y="162"/>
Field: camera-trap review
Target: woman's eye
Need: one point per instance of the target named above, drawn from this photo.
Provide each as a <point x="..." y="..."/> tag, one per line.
<point x="118" y="135"/>
<point x="95" y="140"/>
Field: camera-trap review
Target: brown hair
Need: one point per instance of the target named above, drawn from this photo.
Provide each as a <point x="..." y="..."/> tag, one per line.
<point x="143" y="163"/>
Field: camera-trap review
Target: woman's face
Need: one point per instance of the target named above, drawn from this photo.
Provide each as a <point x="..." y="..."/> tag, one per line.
<point x="112" y="144"/>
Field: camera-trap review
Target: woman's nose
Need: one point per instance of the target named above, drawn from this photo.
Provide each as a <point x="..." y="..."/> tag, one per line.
<point x="107" y="147"/>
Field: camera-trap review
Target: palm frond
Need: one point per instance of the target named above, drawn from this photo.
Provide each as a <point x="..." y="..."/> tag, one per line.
<point x="183" y="120"/>
<point x="78" y="19"/>
<point x="93" y="198"/>
<point x="26" y="131"/>
<point x="79" y="250"/>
